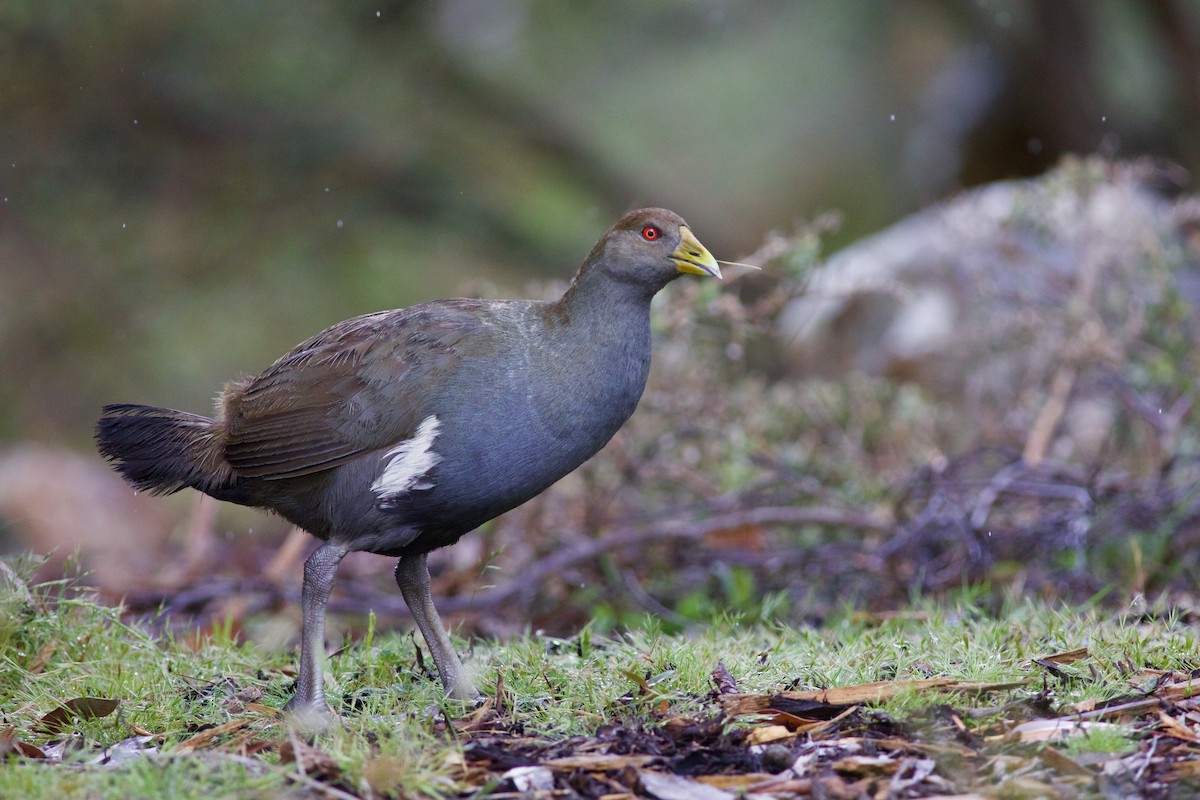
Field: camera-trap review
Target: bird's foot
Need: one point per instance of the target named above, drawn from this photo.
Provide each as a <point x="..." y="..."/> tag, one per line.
<point x="313" y="715"/>
<point x="465" y="693"/>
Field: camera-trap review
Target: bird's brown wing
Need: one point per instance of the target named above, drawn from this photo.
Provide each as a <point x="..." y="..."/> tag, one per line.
<point x="361" y="385"/>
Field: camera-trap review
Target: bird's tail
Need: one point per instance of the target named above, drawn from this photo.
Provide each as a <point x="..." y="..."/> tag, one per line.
<point x="161" y="451"/>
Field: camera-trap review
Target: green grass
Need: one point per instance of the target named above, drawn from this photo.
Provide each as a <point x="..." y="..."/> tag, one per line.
<point x="1106" y="739"/>
<point x="392" y="738"/>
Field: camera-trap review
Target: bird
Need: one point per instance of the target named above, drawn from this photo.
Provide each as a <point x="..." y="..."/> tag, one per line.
<point x="397" y="432"/>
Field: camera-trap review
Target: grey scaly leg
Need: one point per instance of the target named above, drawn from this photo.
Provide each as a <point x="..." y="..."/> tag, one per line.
<point x="319" y="570"/>
<point x="412" y="576"/>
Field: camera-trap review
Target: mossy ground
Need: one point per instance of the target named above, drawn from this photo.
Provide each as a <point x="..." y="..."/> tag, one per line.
<point x="397" y="738"/>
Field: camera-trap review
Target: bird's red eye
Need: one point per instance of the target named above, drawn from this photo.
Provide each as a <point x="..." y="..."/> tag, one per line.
<point x="650" y="233"/>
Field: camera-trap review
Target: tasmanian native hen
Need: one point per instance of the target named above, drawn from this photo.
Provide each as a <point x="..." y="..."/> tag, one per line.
<point x="397" y="432"/>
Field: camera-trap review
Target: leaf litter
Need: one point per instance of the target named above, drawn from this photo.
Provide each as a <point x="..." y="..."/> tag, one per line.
<point x="832" y="743"/>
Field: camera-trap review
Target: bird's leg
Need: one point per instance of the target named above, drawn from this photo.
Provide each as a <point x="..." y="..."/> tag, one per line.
<point x="319" y="570"/>
<point x="412" y="576"/>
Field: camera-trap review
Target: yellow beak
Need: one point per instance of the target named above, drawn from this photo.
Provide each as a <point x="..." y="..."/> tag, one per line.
<point x="692" y="257"/>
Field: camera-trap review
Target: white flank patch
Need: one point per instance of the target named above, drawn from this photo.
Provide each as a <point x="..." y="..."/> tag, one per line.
<point x="409" y="462"/>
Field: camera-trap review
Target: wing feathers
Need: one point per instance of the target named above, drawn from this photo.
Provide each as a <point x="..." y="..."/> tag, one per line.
<point x="359" y="386"/>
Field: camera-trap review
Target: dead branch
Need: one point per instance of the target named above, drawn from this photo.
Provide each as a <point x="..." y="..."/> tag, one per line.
<point x="532" y="577"/>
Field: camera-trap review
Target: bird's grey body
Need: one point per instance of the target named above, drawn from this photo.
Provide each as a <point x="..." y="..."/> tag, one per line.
<point x="497" y="414"/>
<point x="398" y="432"/>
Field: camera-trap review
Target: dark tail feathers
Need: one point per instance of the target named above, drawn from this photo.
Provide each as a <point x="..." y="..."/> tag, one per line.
<point x="162" y="451"/>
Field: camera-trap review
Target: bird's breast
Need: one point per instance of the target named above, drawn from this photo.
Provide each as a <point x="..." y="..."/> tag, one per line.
<point x="520" y="424"/>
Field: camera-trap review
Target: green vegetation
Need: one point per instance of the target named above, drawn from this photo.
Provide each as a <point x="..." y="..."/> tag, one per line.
<point x="393" y="740"/>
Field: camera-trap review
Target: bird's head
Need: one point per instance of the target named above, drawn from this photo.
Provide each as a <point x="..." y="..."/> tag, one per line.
<point x="650" y="247"/>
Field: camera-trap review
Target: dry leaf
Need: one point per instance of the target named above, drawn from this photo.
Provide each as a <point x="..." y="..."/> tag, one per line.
<point x="735" y="782"/>
<point x="241" y="701"/>
<point x="865" y="694"/>
<point x="597" y="763"/>
<point x="530" y="779"/>
<point x="1059" y="762"/>
<point x="42" y="658"/>
<point x="867" y="765"/>
<point x="482" y="718"/>
<point x="1183" y="770"/>
<point x="905" y="745"/>
<point x="768" y="733"/>
<point x="205" y="738"/>
<point x="1179" y="691"/>
<point x="666" y="786"/>
<point x="724" y="680"/>
<point x="60" y="718"/>
<point x="1169" y="726"/>
<point x="127" y="750"/>
<point x="9" y="743"/>
<point x="912" y="772"/>
<point x="817" y="728"/>
<point x="1066" y="657"/>
<point x="795" y="723"/>
<point x="312" y="761"/>
<point x="787" y="787"/>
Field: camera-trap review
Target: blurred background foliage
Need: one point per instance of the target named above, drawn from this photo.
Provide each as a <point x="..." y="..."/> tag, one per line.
<point x="188" y="188"/>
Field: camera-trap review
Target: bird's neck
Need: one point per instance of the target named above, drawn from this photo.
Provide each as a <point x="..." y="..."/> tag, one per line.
<point x="596" y="290"/>
<point x="605" y="312"/>
<point x="606" y="323"/>
<point x="601" y="343"/>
